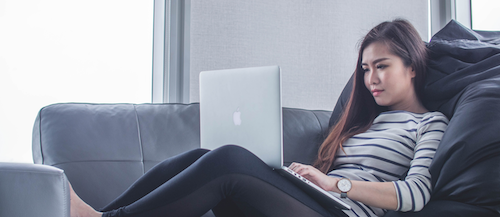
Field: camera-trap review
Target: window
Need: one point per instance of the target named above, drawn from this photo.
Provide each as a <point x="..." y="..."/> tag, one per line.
<point x="485" y="15"/>
<point x="56" y="51"/>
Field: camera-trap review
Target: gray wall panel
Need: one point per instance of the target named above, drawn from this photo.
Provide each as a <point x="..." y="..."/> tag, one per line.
<point x="314" y="42"/>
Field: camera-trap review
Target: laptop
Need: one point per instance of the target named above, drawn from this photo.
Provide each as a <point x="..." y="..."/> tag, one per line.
<point x="243" y="107"/>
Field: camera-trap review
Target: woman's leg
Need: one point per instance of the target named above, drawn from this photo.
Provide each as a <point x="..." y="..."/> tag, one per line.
<point x="155" y="177"/>
<point x="228" y="175"/>
<point x="259" y="198"/>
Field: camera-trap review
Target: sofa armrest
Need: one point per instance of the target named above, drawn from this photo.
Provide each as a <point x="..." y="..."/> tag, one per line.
<point x="33" y="190"/>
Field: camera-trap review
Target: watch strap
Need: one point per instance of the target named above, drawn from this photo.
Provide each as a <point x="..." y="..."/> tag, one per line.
<point x="343" y="195"/>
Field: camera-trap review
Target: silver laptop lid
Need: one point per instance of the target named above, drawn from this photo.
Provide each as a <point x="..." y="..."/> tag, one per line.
<point x="243" y="107"/>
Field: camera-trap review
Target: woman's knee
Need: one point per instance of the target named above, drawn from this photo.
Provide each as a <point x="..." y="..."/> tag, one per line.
<point x="230" y="149"/>
<point x="234" y="157"/>
<point x="232" y="152"/>
<point x="199" y="151"/>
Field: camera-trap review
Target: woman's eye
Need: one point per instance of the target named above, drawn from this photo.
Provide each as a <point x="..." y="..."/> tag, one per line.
<point x="381" y="66"/>
<point x="366" y="69"/>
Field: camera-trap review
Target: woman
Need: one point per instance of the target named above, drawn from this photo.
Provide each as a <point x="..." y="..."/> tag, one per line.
<point x="384" y="132"/>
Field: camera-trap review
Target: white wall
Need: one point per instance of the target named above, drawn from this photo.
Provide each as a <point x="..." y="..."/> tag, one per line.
<point x="315" y="42"/>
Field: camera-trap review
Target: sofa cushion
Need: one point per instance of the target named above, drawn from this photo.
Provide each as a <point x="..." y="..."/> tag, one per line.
<point x="104" y="148"/>
<point x="464" y="84"/>
<point x="167" y="130"/>
<point x="303" y="133"/>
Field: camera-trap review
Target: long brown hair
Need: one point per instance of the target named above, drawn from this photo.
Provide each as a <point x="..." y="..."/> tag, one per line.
<point x="403" y="40"/>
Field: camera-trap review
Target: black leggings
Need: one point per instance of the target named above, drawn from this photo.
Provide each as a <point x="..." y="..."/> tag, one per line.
<point x="229" y="180"/>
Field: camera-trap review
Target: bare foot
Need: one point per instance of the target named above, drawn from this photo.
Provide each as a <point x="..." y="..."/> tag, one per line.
<point x="79" y="208"/>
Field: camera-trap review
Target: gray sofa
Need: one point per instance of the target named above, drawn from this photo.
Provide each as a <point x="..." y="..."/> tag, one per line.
<point x="103" y="148"/>
<point x="33" y="190"/>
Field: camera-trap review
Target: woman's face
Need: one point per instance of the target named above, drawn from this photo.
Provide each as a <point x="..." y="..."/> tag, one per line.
<point x="387" y="78"/>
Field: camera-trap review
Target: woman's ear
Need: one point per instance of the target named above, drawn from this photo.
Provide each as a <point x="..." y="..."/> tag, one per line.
<point x="412" y="71"/>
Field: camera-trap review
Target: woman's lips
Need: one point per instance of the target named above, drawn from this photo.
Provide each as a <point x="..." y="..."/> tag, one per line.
<point x="376" y="92"/>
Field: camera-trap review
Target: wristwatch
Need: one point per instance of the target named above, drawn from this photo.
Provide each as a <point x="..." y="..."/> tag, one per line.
<point x="344" y="185"/>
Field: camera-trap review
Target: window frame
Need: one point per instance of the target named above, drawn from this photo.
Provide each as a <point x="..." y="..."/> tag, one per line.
<point x="171" y="41"/>
<point x="442" y="11"/>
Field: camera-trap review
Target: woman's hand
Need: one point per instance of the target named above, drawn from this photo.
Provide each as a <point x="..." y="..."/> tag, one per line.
<point x="315" y="176"/>
<point x="378" y="194"/>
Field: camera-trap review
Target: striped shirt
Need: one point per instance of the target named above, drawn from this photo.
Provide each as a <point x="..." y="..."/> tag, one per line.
<point x="397" y="142"/>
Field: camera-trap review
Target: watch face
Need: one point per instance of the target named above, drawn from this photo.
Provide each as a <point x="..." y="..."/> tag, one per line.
<point x="344" y="185"/>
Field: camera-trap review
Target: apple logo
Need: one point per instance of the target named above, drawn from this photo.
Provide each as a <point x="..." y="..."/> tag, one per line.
<point x="237" y="117"/>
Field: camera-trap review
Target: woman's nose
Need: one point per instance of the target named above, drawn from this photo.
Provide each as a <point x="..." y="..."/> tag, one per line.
<point x="373" y="79"/>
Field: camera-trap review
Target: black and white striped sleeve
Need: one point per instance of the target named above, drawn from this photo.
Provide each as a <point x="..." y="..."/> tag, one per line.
<point x="415" y="191"/>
